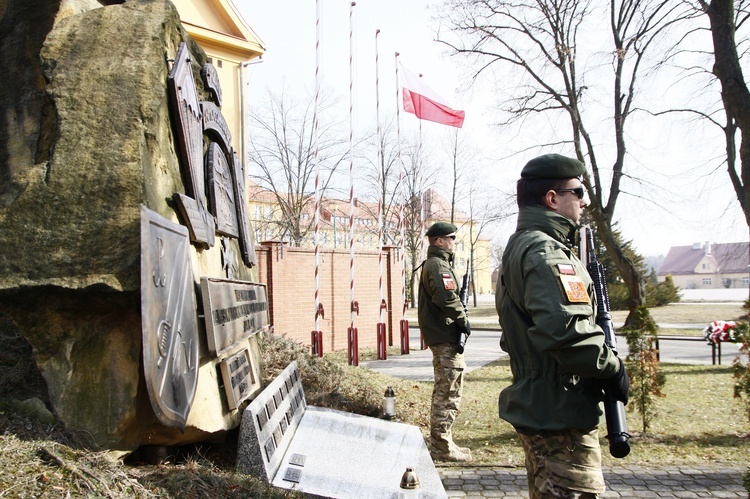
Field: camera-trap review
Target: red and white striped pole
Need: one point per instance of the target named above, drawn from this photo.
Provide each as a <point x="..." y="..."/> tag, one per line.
<point x="380" y="329"/>
<point x="404" y="324"/>
<point x="317" y="334"/>
<point x="353" y="342"/>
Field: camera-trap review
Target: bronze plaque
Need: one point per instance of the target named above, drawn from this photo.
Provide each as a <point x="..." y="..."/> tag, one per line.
<point x="237" y="374"/>
<point x="234" y="310"/>
<point x="221" y="195"/>
<point x="199" y="221"/>
<point x="247" y="245"/>
<point x="215" y="126"/>
<point x="189" y="123"/>
<point x="168" y="318"/>
<point x="211" y="81"/>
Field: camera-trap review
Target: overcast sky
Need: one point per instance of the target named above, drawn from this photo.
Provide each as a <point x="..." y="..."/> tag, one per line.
<point x="681" y="202"/>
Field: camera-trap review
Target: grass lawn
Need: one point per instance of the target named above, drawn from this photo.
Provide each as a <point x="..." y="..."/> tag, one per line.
<point x="698" y="422"/>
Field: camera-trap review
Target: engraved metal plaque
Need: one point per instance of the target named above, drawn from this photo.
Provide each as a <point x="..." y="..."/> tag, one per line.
<point x="199" y="221"/>
<point x="298" y="459"/>
<point x="221" y="195"/>
<point x="168" y="317"/>
<point x="247" y="245"/>
<point x="293" y="475"/>
<point x="262" y="418"/>
<point x="270" y="447"/>
<point x="238" y="378"/>
<point x="215" y="125"/>
<point x="234" y="310"/>
<point x="211" y="80"/>
<point x="189" y="127"/>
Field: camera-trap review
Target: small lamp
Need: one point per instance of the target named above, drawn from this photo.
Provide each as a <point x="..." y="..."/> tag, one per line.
<point x="409" y="488"/>
<point x="389" y="404"/>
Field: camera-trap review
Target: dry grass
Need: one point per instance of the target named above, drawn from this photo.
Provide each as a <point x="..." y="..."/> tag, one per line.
<point x="698" y="422"/>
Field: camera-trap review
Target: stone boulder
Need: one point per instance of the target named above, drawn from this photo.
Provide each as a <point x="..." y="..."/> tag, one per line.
<point x="86" y="139"/>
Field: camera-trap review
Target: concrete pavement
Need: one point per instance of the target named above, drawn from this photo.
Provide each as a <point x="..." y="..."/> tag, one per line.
<point x="622" y="481"/>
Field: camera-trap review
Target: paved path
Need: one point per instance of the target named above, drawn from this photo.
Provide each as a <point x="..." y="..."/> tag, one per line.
<point x="624" y="481"/>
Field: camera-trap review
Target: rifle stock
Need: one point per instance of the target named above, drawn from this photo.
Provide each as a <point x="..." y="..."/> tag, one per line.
<point x="614" y="410"/>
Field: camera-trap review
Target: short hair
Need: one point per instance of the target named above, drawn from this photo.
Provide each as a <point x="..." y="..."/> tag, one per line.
<point x="433" y="239"/>
<point x="531" y="191"/>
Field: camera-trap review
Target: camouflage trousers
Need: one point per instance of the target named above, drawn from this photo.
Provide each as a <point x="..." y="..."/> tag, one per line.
<point x="563" y="464"/>
<point x="449" y="368"/>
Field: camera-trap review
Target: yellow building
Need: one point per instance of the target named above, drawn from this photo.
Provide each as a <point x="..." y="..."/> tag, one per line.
<point x="231" y="44"/>
<point x="438" y="209"/>
<point x="267" y="220"/>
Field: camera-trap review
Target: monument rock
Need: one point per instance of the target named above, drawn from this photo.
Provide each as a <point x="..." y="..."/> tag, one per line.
<point x="87" y="144"/>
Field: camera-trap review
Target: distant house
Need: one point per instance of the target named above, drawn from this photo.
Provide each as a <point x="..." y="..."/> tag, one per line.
<point x="708" y="266"/>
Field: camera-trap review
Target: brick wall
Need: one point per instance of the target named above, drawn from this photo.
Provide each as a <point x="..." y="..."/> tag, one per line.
<point x="289" y="274"/>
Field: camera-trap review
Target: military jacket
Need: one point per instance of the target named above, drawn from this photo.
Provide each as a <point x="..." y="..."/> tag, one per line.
<point x="440" y="312"/>
<point x="546" y="304"/>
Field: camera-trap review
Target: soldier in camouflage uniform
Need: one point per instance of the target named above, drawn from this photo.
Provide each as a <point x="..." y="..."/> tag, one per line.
<point x="558" y="357"/>
<point x="442" y="319"/>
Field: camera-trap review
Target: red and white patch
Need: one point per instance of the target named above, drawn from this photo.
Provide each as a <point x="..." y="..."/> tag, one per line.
<point x="448" y="282"/>
<point x="566" y="269"/>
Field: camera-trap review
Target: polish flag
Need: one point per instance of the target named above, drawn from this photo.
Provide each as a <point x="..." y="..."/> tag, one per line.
<point x="421" y="100"/>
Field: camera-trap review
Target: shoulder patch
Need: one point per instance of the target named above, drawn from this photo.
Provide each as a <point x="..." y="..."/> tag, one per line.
<point x="566" y="269"/>
<point x="575" y="289"/>
<point x="448" y="282"/>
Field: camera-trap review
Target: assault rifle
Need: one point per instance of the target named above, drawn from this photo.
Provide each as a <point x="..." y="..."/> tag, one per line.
<point x="463" y="295"/>
<point x="614" y="410"/>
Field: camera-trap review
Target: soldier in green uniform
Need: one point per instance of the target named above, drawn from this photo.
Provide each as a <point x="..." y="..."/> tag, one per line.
<point x="442" y="319"/>
<point x="547" y="309"/>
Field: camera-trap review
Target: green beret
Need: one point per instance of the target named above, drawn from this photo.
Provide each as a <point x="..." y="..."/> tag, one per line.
<point x="441" y="229"/>
<point x="553" y="166"/>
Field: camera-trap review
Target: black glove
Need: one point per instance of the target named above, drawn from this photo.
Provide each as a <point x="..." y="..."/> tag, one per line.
<point x="463" y="334"/>
<point x="619" y="384"/>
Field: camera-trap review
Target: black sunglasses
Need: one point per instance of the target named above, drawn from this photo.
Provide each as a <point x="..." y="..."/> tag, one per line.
<point x="453" y="236"/>
<point x="578" y="191"/>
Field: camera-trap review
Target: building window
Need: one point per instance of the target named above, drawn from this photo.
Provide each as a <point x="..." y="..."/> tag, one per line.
<point x="706" y="266"/>
<point x="746" y="281"/>
<point x="706" y="281"/>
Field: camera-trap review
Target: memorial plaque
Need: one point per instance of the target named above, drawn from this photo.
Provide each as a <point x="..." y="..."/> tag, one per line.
<point x="189" y="124"/>
<point x="198" y="220"/>
<point x="215" y="126"/>
<point x="246" y="233"/>
<point x="221" y="195"/>
<point x="169" y="319"/>
<point x="293" y="475"/>
<point x="262" y="418"/>
<point x="238" y="378"/>
<point x="297" y="459"/>
<point x="234" y="310"/>
<point x="211" y="81"/>
<point x="270" y="447"/>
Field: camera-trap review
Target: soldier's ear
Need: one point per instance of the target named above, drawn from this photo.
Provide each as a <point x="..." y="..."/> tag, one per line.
<point x="551" y="200"/>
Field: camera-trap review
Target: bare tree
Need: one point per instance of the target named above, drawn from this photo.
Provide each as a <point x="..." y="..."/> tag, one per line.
<point x="486" y="208"/>
<point x="382" y="180"/>
<point x="283" y="150"/>
<point x="538" y="42"/>
<point x="415" y="184"/>
<point x="735" y="96"/>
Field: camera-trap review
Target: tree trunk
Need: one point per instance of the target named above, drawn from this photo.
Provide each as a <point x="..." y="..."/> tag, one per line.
<point x="734" y="91"/>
